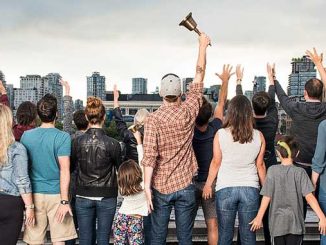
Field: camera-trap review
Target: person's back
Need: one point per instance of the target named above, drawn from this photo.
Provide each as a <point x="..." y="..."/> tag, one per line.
<point x="238" y="166"/>
<point x="44" y="145"/>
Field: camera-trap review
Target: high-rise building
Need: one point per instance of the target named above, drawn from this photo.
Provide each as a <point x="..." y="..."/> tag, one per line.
<point x="259" y="84"/>
<point x="186" y="83"/>
<point x="52" y="85"/>
<point x="10" y="94"/>
<point x="79" y="105"/>
<point x="214" y="92"/>
<point x="139" y="85"/>
<point x="96" y="85"/>
<point x="249" y="94"/>
<point x="22" y="95"/>
<point x="303" y="69"/>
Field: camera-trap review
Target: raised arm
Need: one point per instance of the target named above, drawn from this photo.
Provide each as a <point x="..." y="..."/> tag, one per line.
<point x="318" y="61"/>
<point x="213" y="169"/>
<point x="117" y="115"/>
<point x="68" y="108"/>
<point x="239" y="74"/>
<point x="272" y="109"/>
<point x="204" y="41"/>
<point x="225" y="77"/>
<point x="287" y="104"/>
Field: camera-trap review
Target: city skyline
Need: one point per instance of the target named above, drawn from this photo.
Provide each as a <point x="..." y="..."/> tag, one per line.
<point x="64" y="37"/>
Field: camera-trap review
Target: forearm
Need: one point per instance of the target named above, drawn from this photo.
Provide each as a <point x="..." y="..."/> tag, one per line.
<point x="27" y="198"/>
<point x="218" y="113"/>
<point x="213" y="170"/>
<point x="115" y="103"/>
<point x="64" y="184"/>
<point x="263" y="207"/>
<point x="322" y="72"/>
<point x="261" y="173"/>
<point x="312" y="201"/>
<point x="201" y="65"/>
<point x="314" y="178"/>
<point x="148" y="177"/>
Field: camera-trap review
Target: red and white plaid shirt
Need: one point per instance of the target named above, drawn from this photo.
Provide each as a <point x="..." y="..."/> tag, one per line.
<point x="168" y="142"/>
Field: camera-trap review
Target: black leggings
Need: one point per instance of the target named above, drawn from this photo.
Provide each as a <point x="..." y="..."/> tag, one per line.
<point x="11" y="219"/>
<point x="289" y="239"/>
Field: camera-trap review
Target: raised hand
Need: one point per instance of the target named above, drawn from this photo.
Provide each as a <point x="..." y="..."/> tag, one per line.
<point x="2" y="88"/>
<point x="314" y="57"/>
<point x="115" y="92"/>
<point x="239" y="73"/>
<point x="226" y="73"/>
<point x="204" y="40"/>
<point x="271" y="73"/>
<point x="66" y="85"/>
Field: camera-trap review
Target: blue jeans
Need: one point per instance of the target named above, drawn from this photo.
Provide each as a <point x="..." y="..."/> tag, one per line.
<point x="184" y="204"/>
<point x="229" y="202"/>
<point x="88" y="212"/>
<point x="147" y="221"/>
<point x="322" y="203"/>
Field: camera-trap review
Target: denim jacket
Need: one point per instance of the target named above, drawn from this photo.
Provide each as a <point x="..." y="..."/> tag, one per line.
<point x="14" y="179"/>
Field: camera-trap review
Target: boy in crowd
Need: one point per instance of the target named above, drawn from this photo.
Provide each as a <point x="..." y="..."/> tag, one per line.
<point x="283" y="190"/>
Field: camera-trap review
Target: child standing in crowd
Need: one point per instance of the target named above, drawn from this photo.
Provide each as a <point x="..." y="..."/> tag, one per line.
<point x="283" y="190"/>
<point x="128" y="225"/>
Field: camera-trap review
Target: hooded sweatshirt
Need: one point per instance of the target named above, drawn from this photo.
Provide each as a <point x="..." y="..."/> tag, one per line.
<point x="306" y="117"/>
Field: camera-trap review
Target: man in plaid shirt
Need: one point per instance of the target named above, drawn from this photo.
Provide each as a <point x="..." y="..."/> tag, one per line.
<point x="169" y="160"/>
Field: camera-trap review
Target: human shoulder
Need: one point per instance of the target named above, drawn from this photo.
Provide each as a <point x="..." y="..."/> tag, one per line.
<point x="17" y="147"/>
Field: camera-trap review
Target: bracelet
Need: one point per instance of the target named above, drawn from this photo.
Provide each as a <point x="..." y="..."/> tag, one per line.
<point x="64" y="202"/>
<point x="31" y="206"/>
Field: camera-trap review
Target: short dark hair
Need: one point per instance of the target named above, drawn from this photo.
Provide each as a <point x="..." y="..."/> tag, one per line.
<point x="171" y="98"/>
<point x="47" y="108"/>
<point x="26" y="113"/>
<point x="205" y="113"/>
<point x="292" y="145"/>
<point x="260" y="103"/>
<point x="80" y="120"/>
<point x="314" y="88"/>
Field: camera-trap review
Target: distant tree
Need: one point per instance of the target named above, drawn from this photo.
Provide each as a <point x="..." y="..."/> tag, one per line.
<point x="111" y="130"/>
<point x="59" y="125"/>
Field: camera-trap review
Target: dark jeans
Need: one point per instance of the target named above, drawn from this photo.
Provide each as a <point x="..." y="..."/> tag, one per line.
<point x="11" y="218"/>
<point x="184" y="204"/>
<point x="229" y="202"/>
<point x="147" y="229"/>
<point x="322" y="203"/>
<point x="90" y="211"/>
<point x="73" y="209"/>
<point x="289" y="239"/>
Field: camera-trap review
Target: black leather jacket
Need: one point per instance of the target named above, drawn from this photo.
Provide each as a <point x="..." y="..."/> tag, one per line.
<point x="127" y="136"/>
<point x="97" y="158"/>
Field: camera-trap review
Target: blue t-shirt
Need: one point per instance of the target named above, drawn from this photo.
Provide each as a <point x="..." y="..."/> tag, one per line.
<point x="203" y="147"/>
<point x="44" y="146"/>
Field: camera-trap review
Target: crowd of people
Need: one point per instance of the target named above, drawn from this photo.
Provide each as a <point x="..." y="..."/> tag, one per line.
<point x="181" y="156"/>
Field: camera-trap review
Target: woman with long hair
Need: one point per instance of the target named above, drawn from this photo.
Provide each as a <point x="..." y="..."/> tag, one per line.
<point x="15" y="185"/>
<point x="97" y="158"/>
<point x="239" y="167"/>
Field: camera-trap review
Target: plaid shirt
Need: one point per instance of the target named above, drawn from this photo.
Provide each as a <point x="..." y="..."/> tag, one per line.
<point x="168" y="142"/>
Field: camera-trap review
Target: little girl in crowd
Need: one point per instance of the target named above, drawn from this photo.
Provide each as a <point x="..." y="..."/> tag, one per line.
<point x="128" y="225"/>
<point x="284" y="188"/>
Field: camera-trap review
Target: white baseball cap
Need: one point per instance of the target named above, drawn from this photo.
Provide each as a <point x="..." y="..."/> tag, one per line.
<point x="170" y="85"/>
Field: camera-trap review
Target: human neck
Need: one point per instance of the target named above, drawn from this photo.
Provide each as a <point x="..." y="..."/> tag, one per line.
<point x="259" y="116"/>
<point x="202" y="128"/>
<point x="287" y="161"/>
<point x="47" y="125"/>
<point x="95" y="126"/>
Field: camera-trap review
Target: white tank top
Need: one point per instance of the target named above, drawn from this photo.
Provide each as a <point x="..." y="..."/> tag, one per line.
<point x="238" y="166"/>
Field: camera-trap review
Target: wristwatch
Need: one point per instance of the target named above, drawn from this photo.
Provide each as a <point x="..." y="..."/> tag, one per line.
<point x="31" y="206"/>
<point x="64" y="202"/>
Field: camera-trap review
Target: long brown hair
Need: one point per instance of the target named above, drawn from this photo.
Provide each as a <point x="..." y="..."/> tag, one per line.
<point x="129" y="178"/>
<point x="240" y="119"/>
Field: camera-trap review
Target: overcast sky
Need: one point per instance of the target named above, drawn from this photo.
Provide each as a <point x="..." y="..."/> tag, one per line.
<point x="137" y="38"/>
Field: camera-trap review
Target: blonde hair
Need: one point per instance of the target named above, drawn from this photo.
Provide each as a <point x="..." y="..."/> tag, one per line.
<point x="6" y="135"/>
<point x="141" y="116"/>
<point x="129" y="178"/>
